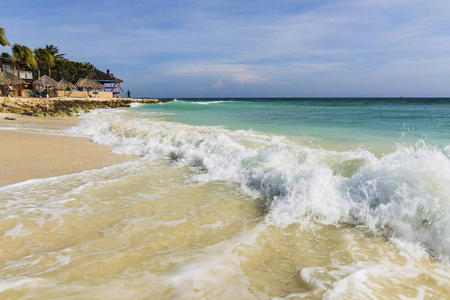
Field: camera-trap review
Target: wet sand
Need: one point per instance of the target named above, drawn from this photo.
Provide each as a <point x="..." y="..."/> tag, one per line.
<point x="27" y="152"/>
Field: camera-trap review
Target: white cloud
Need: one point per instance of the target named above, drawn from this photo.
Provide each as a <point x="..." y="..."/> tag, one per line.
<point x="218" y="85"/>
<point x="238" y="73"/>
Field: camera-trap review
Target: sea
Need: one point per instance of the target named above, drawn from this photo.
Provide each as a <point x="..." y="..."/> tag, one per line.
<point x="262" y="198"/>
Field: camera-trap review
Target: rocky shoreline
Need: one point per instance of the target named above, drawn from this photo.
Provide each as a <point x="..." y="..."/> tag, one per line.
<point x="54" y="107"/>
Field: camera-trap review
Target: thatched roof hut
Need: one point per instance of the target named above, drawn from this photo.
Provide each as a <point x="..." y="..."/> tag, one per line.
<point x="102" y="77"/>
<point x="110" y="83"/>
<point x="63" y="85"/>
<point x="10" y="78"/>
<point x="45" y="81"/>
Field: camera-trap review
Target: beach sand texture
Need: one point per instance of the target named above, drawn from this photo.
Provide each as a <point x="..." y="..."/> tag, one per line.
<point x="26" y="152"/>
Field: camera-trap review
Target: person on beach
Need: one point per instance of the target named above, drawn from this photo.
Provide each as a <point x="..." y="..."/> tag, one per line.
<point x="128" y="93"/>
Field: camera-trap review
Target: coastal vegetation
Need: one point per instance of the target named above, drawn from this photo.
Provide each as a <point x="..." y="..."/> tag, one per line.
<point x="44" y="61"/>
<point x="70" y="70"/>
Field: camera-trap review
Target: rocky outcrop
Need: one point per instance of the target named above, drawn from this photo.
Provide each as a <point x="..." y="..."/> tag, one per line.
<point x="62" y="107"/>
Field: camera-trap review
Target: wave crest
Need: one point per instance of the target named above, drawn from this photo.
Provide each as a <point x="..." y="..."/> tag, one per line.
<point x="403" y="195"/>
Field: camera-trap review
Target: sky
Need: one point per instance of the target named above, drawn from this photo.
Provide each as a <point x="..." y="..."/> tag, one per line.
<point x="260" y="48"/>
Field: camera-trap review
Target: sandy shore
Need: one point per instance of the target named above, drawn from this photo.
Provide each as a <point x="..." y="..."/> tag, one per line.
<point x="26" y="152"/>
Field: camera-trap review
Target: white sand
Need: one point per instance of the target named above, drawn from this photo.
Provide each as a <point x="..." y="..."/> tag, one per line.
<point x="26" y="155"/>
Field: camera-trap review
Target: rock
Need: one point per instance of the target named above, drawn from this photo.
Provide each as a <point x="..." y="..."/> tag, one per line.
<point x="10" y="119"/>
<point x="59" y="107"/>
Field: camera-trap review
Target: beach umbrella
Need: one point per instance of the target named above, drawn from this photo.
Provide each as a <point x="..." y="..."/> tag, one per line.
<point x="90" y="84"/>
<point x="10" y="78"/>
<point x="45" y="81"/>
<point x="64" y="85"/>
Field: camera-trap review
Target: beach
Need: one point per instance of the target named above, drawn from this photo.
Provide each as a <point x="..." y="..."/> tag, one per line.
<point x="31" y="148"/>
<point x="216" y="150"/>
<point x="229" y="198"/>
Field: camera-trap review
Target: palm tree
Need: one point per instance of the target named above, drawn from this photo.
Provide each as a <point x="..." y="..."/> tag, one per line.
<point x="54" y="51"/>
<point x="57" y="57"/>
<point x="23" y="54"/>
<point x="43" y="57"/>
<point x="3" y="40"/>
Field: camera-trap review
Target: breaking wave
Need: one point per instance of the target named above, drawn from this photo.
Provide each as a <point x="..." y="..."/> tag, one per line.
<point x="209" y="102"/>
<point x="204" y="102"/>
<point x="403" y="195"/>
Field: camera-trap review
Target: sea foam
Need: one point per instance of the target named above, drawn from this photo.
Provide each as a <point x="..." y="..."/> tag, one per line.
<point x="403" y="195"/>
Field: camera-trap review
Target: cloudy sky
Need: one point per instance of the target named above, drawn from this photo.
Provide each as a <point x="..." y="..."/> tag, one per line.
<point x="259" y="48"/>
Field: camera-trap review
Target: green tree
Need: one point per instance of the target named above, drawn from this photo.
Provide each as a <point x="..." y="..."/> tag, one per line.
<point x="45" y="60"/>
<point x="70" y="70"/>
<point x="54" y="51"/>
<point x="24" y="55"/>
<point x="3" y="40"/>
<point x="5" y="55"/>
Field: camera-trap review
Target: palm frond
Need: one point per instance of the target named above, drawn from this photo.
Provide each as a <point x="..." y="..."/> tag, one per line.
<point x="3" y="40"/>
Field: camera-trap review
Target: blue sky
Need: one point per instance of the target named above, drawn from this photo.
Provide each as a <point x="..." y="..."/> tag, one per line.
<point x="215" y="48"/>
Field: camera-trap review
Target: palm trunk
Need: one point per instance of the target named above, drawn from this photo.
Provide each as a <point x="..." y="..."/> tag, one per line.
<point x="38" y="71"/>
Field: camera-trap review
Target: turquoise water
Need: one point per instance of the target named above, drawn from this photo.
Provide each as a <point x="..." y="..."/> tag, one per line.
<point x="338" y="120"/>
<point x="323" y="199"/>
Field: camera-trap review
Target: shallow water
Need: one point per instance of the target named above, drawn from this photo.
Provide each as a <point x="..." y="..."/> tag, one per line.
<point x="213" y="213"/>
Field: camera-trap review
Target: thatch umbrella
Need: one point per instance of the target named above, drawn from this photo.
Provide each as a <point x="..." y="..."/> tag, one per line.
<point x="63" y="85"/>
<point x="45" y="81"/>
<point x="9" y="79"/>
<point x="89" y="84"/>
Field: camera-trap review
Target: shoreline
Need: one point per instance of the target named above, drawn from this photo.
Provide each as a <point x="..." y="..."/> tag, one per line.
<point x="31" y="148"/>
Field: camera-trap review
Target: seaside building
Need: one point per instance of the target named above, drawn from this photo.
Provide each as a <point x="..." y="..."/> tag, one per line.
<point x="21" y="70"/>
<point x="110" y="85"/>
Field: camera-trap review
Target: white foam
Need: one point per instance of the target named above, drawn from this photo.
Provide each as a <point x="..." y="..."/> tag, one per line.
<point x="209" y="102"/>
<point x="215" y="271"/>
<point x="17" y="282"/>
<point x="51" y="199"/>
<point x="136" y="104"/>
<point x="404" y="194"/>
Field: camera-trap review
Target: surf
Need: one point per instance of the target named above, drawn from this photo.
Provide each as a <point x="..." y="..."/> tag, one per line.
<point x="401" y="195"/>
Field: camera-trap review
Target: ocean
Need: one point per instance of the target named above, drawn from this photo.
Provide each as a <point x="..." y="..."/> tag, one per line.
<point x="263" y="198"/>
